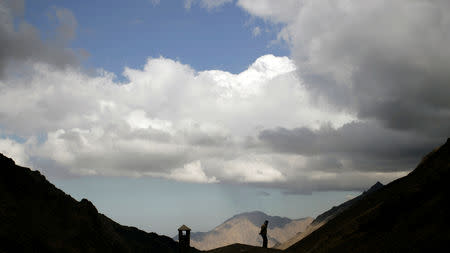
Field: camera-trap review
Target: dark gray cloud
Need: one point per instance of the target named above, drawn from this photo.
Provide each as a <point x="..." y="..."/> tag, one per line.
<point x="22" y="42"/>
<point x="403" y="96"/>
<point x="385" y="61"/>
<point x="367" y="146"/>
<point x="17" y="7"/>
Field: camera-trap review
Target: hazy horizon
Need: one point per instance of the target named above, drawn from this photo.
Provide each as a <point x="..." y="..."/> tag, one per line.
<point x="139" y="202"/>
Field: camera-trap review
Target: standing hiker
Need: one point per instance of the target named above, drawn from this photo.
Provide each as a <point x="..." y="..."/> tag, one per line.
<point x="263" y="233"/>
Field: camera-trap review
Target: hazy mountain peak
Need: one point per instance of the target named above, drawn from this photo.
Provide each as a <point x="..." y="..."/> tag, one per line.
<point x="257" y="218"/>
<point x="244" y="228"/>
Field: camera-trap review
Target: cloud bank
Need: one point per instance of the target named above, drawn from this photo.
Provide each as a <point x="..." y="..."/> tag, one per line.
<point x="360" y="100"/>
<point x="167" y="121"/>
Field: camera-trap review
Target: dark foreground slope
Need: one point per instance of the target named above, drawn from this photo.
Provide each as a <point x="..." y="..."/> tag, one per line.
<point x="323" y="218"/>
<point x="35" y="216"/>
<point x="243" y="248"/>
<point x="410" y="214"/>
<point x="335" y="210"/>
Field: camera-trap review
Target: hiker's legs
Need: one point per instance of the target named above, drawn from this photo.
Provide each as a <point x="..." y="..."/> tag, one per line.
<point x="264" y="241"/>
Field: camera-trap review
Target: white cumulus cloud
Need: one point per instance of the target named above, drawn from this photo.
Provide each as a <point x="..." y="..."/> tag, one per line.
<point x="164" y="117"/>
<point x="193" y="173"/>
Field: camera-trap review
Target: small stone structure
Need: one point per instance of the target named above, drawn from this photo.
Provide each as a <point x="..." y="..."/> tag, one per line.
<point x="184" y="238"/>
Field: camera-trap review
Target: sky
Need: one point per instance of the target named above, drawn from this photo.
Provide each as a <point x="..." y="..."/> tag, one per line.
<point x="164" y="112"/>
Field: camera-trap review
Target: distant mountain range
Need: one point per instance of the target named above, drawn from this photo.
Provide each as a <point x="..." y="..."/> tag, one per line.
<point x="35" y="216"/>
<point x="323" y="218"/>
<point x="410" y="214"/>
<point x="244" y="229"/>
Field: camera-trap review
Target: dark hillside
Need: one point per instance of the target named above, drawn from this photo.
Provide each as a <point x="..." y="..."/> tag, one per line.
<point x="410" y="214"/>
<point x="35" y="216"/>
<point x="335" y="210"/>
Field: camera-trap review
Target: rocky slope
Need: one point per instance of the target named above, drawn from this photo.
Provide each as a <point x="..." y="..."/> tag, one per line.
<point x="410" y="214"/>
<point x="325" y="217"/>
<point x="244" y="228"/>
<point x="35" y="216"/>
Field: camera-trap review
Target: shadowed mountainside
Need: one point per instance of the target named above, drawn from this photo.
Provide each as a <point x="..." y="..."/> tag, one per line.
<point x="335" y="210"/>
<point x="410" y="214"/>
<point x="325" y="217"/>
<point x="35" y="216"/>
<point x="244" y="229"/>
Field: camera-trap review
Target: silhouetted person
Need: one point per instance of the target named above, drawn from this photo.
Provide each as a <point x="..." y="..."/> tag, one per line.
<point x="263" y="233"/>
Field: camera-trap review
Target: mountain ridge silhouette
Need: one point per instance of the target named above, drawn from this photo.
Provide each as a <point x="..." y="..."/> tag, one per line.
<point x="410" y="214"/>
<point x="35" y="216"/>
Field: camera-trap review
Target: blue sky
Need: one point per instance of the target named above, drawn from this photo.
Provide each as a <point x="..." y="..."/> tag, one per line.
<point x="125" y="33"/>
<point x="288" y="107"/>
